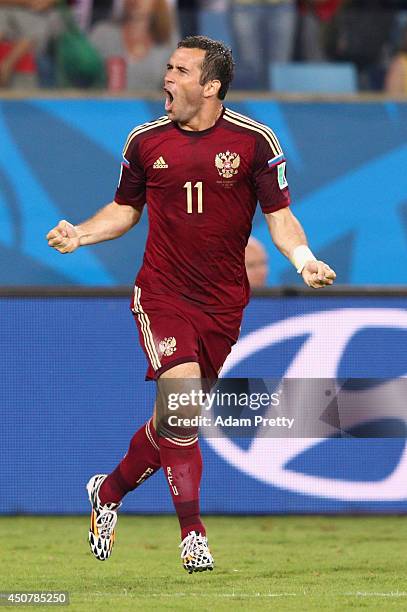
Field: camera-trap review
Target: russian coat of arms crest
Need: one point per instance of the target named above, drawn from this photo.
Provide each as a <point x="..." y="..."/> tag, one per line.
<point x="168" y="346"/>
<point x="227" y="164"/>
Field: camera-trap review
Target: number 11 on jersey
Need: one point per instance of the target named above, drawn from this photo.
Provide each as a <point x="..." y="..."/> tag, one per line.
<point x="198" y="187"/>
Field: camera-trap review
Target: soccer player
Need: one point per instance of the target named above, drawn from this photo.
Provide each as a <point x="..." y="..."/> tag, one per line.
<point x="201" y="170"/>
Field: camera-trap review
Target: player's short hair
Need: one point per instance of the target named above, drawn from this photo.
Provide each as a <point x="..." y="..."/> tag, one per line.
<point x="218" y="61"/>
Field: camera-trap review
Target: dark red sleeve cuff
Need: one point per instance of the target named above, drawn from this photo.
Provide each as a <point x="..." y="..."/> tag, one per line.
<point x="273" y="208"/>
<point x="119" y="200"/>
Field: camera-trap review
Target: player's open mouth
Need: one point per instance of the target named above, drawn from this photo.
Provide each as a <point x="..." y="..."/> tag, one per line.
<point x="169" y="99"/>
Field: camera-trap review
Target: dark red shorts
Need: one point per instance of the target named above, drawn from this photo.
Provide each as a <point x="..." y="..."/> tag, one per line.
<point x="173" y="331"/>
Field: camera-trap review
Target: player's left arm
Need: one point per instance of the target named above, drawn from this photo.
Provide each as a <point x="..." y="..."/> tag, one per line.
<point x="289" y="237"/>
<point x="273" y="194"/>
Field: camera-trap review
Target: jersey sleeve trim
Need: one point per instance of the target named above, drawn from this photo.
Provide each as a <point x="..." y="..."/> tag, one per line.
<point x="140" y="129"/>
<point x="269" y="209"/>
<point x="123" y="202"/>
<point x="250" y="124"/>
<point x="275" y="161"/>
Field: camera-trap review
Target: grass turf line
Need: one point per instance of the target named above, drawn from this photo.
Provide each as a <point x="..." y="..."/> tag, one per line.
<point x="262" y="563"/>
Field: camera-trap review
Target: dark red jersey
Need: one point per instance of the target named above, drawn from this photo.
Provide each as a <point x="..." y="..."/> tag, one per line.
<point x="201" y="190"/>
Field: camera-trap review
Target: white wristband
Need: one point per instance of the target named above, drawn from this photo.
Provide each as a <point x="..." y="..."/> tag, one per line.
<point x="300" y="256"/>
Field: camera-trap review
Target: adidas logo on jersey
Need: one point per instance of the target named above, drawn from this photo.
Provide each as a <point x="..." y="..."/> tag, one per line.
<point x="160" y="163"/>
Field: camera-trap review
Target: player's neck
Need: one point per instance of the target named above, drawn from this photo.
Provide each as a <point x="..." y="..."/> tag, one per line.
<point x="203" y="120"/>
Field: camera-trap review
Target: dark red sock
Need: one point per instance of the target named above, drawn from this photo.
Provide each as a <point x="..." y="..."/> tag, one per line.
<point x="182" y="467"/>
<point x="141" y="461"/>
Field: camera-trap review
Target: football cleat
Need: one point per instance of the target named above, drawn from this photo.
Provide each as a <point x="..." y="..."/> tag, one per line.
<point x="195" y="555"/>
<point x="103" y="520"/>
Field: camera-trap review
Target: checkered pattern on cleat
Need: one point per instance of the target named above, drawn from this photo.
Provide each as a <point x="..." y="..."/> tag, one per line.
<point x="101" y="547"/>
<point x="195" y="555"/>
<point x="103" y="520"/>
<point x="93" y="487"/>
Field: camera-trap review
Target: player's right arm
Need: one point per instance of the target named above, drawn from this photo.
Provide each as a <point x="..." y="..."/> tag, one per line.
<point x="116" y="218"/>
<point x="110" y="222"/>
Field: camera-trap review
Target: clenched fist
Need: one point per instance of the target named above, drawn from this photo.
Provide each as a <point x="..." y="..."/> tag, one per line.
<point x="64" y="237"/>
<point x="317" y="274"/>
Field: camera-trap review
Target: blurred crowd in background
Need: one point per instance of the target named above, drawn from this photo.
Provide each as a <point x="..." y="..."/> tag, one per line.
<point x="278" y="45"/>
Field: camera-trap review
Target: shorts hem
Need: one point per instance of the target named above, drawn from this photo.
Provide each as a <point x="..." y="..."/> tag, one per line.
<point x="168" y="366"/>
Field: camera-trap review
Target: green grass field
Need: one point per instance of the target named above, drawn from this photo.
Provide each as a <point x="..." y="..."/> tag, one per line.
<point x="262" y="563"/>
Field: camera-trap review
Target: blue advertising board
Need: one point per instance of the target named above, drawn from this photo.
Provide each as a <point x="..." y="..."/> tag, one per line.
<point x="73" y="392"/>
<point x="59" y="159"/>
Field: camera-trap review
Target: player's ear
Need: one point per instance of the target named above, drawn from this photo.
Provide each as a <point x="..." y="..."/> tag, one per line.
<point x="211" y="88"/>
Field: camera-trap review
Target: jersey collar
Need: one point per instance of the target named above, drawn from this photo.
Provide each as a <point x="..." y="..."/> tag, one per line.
<point x="198" y="133"/>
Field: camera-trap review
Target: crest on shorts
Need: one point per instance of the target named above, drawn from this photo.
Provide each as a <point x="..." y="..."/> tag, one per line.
<point x="168" y="346"/>
<point x="227" y="164"/>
